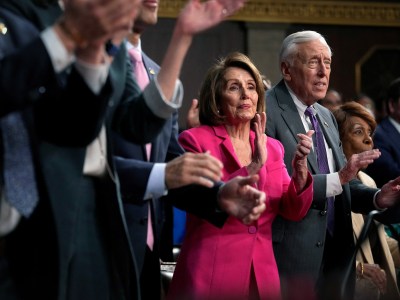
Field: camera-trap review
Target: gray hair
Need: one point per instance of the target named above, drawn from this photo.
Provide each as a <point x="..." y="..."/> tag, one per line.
<point x="289" y="45"/>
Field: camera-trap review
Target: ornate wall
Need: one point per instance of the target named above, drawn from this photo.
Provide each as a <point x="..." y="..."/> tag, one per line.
<point x="364" y="37"/>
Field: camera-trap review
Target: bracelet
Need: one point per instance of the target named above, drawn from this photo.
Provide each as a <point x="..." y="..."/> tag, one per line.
<point x="73" y="34"/>
<point x="362" y="270"/>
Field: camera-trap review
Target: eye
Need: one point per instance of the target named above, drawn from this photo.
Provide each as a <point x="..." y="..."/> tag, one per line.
<point x="327" y="63"/>
<point x="234" y="88"/>
<point x="251" y="87"/>
<point x="313" y="63"/>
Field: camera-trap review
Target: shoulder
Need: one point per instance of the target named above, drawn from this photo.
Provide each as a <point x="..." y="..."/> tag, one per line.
<point x="201" y="132"/>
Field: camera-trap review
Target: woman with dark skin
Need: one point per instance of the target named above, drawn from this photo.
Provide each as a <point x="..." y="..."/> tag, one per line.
<point x="376" y="277"/>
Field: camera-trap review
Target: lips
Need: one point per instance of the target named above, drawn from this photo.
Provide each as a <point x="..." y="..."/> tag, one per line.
<point x="150" y="3"/>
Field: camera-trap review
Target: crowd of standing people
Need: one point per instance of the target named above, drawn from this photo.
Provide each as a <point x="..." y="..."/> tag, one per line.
<point x="271" y="180"/>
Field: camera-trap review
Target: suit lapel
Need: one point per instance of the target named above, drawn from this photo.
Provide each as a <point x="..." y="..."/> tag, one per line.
<point x="292" y="119"/>
<point x="226" y="144"/>
<point x="151" y="67"/>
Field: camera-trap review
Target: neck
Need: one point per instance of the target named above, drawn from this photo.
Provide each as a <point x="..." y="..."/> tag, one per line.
<point x="134" y="38"/>
<point x="240" y="131"/>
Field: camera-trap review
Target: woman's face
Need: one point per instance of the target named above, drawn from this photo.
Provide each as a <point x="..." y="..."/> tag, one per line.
<point x="239" y="96"/>
<point x="357" y="137"/>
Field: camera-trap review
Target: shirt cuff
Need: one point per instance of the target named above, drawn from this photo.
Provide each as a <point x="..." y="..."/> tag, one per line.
<point x="333" y="185"/>
<point x="376" y="204"/>
<point x="157" y="102"/>
<point x="156" y="184"/>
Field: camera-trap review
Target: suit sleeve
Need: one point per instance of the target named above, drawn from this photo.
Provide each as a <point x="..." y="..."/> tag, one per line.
<point x="66" y="111"/>
<point x="200" y="201"/>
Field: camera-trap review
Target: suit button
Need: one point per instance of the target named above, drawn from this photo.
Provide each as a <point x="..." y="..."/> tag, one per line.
<point x="143" y="221"/>
<point x="111" y="103"/>
<point x="252" y="229"/>
<point x="323" y="212"/>
<point x="320" y="244"/>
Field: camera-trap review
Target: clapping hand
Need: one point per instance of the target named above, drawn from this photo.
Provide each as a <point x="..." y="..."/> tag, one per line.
<point x="239" y="199"/>
<point x="260" y="152"/>
<point x="356" y="163"/>
<point x="198" y="16"/>
<point x="299" y="162"/>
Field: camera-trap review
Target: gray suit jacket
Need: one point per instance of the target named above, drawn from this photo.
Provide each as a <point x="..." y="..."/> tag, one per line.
<point x="299" y="246"/>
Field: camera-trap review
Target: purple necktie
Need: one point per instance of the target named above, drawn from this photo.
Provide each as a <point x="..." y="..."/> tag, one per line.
<point x="319" y="147"/>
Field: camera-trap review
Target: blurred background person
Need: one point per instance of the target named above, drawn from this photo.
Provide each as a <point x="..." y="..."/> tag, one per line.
<point x="332" y="99"/>
<point x="387" y="139"/>
<point x="367" y="102"/>
<point x="376" y="273"/>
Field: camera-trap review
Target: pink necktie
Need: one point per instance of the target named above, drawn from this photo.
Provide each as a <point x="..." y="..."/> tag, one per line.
<point x="138" y="68"/>
<point x="143" y="80"/>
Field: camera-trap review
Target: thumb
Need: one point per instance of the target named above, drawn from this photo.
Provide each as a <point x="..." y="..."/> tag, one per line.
<point x="248" y="180"/>
<point x="310" y="133"/>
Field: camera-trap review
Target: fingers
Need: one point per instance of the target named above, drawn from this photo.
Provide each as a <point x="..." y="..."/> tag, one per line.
<point x="192" y="118"/>
<point x="305" y="144"/>
<point x="310" y="133"/>
<point x="377" y="276"/>
<point x="193" y="168"/>
<point x="255" y="214"/>
<point x="249" y="180"/>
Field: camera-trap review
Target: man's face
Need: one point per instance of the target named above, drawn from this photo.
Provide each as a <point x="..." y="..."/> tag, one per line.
<point x="394" y="109"/>
<point x="147" y="14"/>
<point x="308" y="74"/>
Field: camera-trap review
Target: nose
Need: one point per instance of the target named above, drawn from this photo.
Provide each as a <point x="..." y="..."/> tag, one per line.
<point x="368" y="140"/>
<point x="245" y="93"/>
<point x="322" y="69"/>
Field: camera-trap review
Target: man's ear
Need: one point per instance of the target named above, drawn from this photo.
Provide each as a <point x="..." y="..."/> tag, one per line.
<point x="285" y="71"/>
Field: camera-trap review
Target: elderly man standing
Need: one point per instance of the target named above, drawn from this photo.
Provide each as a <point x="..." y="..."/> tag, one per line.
<point x="317" y="251"/>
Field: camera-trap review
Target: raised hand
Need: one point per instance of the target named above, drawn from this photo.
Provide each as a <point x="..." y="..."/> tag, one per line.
<point x="198" y="15"/>
<point x="192" y="118"/>
<point x="389" y="194"/>
<point x="239" y="199"/>
<point x="260" y="152"/>
<point x="299" y="162"/>
<point x="193" y="168"/>
<point x="356" y="163"/>
<point x="85" y="26"/>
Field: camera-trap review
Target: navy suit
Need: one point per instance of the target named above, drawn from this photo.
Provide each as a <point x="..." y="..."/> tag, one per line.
<point x="134" y="170"/>
<point x="303" y="249"/>
<point x="76" y="244"/>
<point x="387" y="166"/>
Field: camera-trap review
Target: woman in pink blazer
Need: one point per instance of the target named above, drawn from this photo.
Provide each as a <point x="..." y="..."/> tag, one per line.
<point x="236" y="261"/>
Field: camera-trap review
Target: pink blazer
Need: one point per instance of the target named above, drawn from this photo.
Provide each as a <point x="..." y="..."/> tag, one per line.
<point x="215" y="263"/>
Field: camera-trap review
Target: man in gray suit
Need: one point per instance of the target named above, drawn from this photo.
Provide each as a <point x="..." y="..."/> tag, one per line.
<point x="308" y="256"/>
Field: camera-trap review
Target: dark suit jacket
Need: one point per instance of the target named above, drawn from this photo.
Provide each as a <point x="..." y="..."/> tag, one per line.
<point x="28" y="83"/>
<point x="76" y="244"/>
<point x="299" y="246"/>
<point x="387" y="166"/>
<point x="134" y="171"/>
